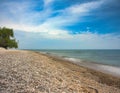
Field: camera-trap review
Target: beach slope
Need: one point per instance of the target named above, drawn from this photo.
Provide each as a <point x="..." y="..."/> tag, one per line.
<point x="31" y="72"/>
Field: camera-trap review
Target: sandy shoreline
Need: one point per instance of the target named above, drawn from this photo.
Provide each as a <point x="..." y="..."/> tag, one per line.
<point x="30" y="72"/>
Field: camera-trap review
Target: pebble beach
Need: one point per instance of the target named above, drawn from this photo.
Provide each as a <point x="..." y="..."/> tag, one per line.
<point x="31" y="72"/>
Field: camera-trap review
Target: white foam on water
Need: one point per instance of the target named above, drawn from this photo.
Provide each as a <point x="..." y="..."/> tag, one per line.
<point x="71" y="59"/>
<point x="112" y="70"/>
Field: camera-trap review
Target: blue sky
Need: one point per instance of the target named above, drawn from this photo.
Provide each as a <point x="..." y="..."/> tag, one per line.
<point x="63" y="24"/>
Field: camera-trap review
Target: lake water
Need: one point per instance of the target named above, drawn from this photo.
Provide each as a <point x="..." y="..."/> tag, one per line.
<point x="107" y="57"/>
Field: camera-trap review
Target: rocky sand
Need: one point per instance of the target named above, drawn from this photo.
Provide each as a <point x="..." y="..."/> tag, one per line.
<point x="31" y="72"/>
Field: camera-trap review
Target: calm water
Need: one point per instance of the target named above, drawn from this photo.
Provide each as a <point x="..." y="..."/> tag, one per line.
<point x="108" y="57"/>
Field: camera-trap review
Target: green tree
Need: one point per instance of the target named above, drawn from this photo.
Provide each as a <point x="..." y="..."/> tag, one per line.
<point x="7" y="39"/>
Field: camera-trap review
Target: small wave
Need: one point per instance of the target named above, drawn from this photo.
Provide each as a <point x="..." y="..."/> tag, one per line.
<point x="113" y="70"/>
<point x="110" y="69"/>
<point x="72" y="59"/>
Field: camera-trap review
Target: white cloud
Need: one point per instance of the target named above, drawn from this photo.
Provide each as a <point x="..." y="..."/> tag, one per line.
<point x="27" y="20"/>
<point x="33" y="21"/>
<point x="72" y="14"/>
<point x="23" y="13"/>
<point x="47" y="3"/>
<point x="84" y="8"/>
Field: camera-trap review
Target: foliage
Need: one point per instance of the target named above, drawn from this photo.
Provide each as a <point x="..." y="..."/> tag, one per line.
<point x="7" y="39"/>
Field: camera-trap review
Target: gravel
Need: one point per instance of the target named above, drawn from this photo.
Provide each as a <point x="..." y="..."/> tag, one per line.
<point x="30" y="72"/>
